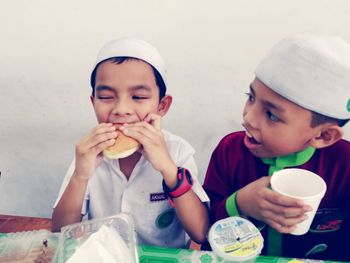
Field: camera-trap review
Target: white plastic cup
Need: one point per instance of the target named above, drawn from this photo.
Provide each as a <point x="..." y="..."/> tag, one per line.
<point x="235" y="239"/>
<point x="302" y="185"/>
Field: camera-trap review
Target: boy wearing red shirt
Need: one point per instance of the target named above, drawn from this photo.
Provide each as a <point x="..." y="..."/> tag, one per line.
<point x="296" y="107"/>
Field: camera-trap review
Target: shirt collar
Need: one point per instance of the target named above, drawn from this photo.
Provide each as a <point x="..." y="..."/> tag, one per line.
<point x="290" y="160"/>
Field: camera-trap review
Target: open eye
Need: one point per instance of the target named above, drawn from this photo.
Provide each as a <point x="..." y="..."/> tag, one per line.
<point x="250" y="97"/>
<point x="272" y="117"/>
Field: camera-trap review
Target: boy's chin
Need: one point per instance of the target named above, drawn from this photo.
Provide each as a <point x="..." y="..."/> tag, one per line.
<point x="259" y="153"/>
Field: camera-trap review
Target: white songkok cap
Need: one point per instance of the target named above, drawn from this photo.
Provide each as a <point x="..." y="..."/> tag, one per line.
<point x="134" y="48"/>
<point x="311" y="71"/>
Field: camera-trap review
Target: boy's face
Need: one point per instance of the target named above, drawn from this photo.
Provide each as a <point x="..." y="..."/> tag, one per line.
<point x="126" y="92"/>
<point x="275" y="126"/>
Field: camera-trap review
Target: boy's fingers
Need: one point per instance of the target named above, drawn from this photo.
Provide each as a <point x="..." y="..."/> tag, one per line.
<point x="100" y="138"/>
<point x="144" y="134"/>
<point x="105" y="129"/>
<point x="292" y="212"/>
<point x="283" y="224"/>
<point x="155" y="120"/>
<point x="141" y="130"/>
<point x="92" y="142"/>
<point x="281" y="228"/>
<point x="102" y="127"/>
<point x="288" y="211"/>
<point x="289" y="221"/>
<point x="264" y="181"/>
<point x="282" y="200"/>
<point x="284" y="216"/>
<point x="103" y="145"/>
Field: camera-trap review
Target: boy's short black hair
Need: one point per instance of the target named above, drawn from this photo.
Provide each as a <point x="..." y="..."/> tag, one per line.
<point x="119" y="60"/>
<point x="318" y="119"/>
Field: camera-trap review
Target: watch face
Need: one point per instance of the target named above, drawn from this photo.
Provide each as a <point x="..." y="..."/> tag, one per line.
<point x="183" y="185"/>
<point x="188" y="176"/>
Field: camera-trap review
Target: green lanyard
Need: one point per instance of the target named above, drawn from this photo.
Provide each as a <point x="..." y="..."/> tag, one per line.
<point x="274" y="247"/>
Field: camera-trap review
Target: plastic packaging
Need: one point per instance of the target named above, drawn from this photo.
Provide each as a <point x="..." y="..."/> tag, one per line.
<point x="235" y="239"/>
<point x="74" y="236"/>
<point x="29" y="246"/>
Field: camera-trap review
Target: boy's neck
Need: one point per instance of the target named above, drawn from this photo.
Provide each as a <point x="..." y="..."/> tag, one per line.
<point x="128" y="164"/>
<point x="290" y="160"/>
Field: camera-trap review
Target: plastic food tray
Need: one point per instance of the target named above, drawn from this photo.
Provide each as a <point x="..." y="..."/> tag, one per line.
<point x="73" y="236"/>
<point x="28" y="246"/>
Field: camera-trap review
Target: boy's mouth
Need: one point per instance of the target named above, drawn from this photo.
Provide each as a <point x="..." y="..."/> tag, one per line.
<point x="123" y="121"/>
<point x="251" y="138"/>
<point x="250" y="142"/>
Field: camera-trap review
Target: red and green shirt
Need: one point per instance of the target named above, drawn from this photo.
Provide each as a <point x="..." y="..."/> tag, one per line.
<point x="232" y="166"/>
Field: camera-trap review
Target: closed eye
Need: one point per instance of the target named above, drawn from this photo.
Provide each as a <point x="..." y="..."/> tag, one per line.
<point x="140" y="97"/>
<point x="104" y="97"/>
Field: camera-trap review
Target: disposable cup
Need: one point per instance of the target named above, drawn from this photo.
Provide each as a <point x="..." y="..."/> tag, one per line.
<point x="235" y="239"/>
<point x="303" y="185"/>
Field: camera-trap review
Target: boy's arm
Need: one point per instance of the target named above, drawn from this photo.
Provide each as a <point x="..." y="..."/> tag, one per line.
<point x="194" y="216"/>
<point x="68" y="209"/>
<point x="255" y="200"/>
<point x="218" y="187"/>
<point x="88" y="156"/>
<point x="191" y="211"/>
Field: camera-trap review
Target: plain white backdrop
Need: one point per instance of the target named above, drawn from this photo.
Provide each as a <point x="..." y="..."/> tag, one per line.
<point x="211" y="48"/>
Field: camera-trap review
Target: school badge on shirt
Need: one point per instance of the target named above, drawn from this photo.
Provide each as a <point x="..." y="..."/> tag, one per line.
<point x="165" y="218"/>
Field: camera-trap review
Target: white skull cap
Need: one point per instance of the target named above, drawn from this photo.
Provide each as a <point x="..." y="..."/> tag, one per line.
<point x="311" y="71"/>
<point x="135" y="48"/>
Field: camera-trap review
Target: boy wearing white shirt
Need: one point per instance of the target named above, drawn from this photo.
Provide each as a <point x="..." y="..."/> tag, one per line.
<point x="129" y="88"/>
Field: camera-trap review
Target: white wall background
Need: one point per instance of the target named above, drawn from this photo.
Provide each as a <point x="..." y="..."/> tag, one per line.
<point x="47" y="49"/>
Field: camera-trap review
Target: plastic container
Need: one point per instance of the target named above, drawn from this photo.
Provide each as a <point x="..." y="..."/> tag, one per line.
<point x="73" y="236"/>
<point x="235" y="239"/>
<point x="28" y="246"/>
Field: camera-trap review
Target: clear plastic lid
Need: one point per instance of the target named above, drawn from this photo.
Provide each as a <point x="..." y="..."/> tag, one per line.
<point x="236" y="239"/>
<point x="28" y="246"/>
<point x="74" y="236"/>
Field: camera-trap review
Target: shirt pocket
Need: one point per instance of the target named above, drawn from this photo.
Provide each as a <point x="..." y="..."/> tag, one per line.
<point x="160" y="215"/>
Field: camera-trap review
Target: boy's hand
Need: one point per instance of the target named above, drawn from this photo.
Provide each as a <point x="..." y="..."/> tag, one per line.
<point x="282" y="213"/>
<point x="89" y="149"/>
<point x="148" y="133"/>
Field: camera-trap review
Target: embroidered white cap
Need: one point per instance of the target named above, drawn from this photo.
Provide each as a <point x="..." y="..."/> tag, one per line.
<point x="135" y="48"/>
<point x="311" y="71"/>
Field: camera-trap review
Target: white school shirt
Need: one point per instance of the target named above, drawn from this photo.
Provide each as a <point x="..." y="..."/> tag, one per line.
<point x="109" y="193"/>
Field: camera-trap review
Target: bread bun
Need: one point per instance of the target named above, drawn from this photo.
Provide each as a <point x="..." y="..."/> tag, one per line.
<point x="124" y="146"/>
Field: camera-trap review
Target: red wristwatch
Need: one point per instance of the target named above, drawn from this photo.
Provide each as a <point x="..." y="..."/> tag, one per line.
<point x="183" y="185"/>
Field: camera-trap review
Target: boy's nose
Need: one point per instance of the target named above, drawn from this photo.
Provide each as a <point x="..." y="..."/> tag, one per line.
<point x="250" y="118"/>
<point x="121" y="108"/>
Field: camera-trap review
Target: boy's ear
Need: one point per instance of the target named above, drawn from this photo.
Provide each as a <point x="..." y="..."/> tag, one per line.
<point x="164" y="105"/>
<point x="328" y="135"/>
<point x="92" y="100"/>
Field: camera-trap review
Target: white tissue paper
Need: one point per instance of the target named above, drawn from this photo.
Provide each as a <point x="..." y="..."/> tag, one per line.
<point x="105" y="246"/>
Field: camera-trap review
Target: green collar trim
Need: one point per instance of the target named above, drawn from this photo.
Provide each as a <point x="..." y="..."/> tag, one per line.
<point x="294" y="159"/>
<point x="274" y="246"/>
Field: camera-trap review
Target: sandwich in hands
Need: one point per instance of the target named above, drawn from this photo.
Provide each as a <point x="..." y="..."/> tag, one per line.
<point x="124" y="146"/>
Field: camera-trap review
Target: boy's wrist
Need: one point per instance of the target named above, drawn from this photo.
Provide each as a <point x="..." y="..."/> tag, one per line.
<point x="170" y="175"/>
<point x="80" y="178"/>
<point x="231" y="205"/>
<point x="232" y="209"/>
<point x="183" y="185"/>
